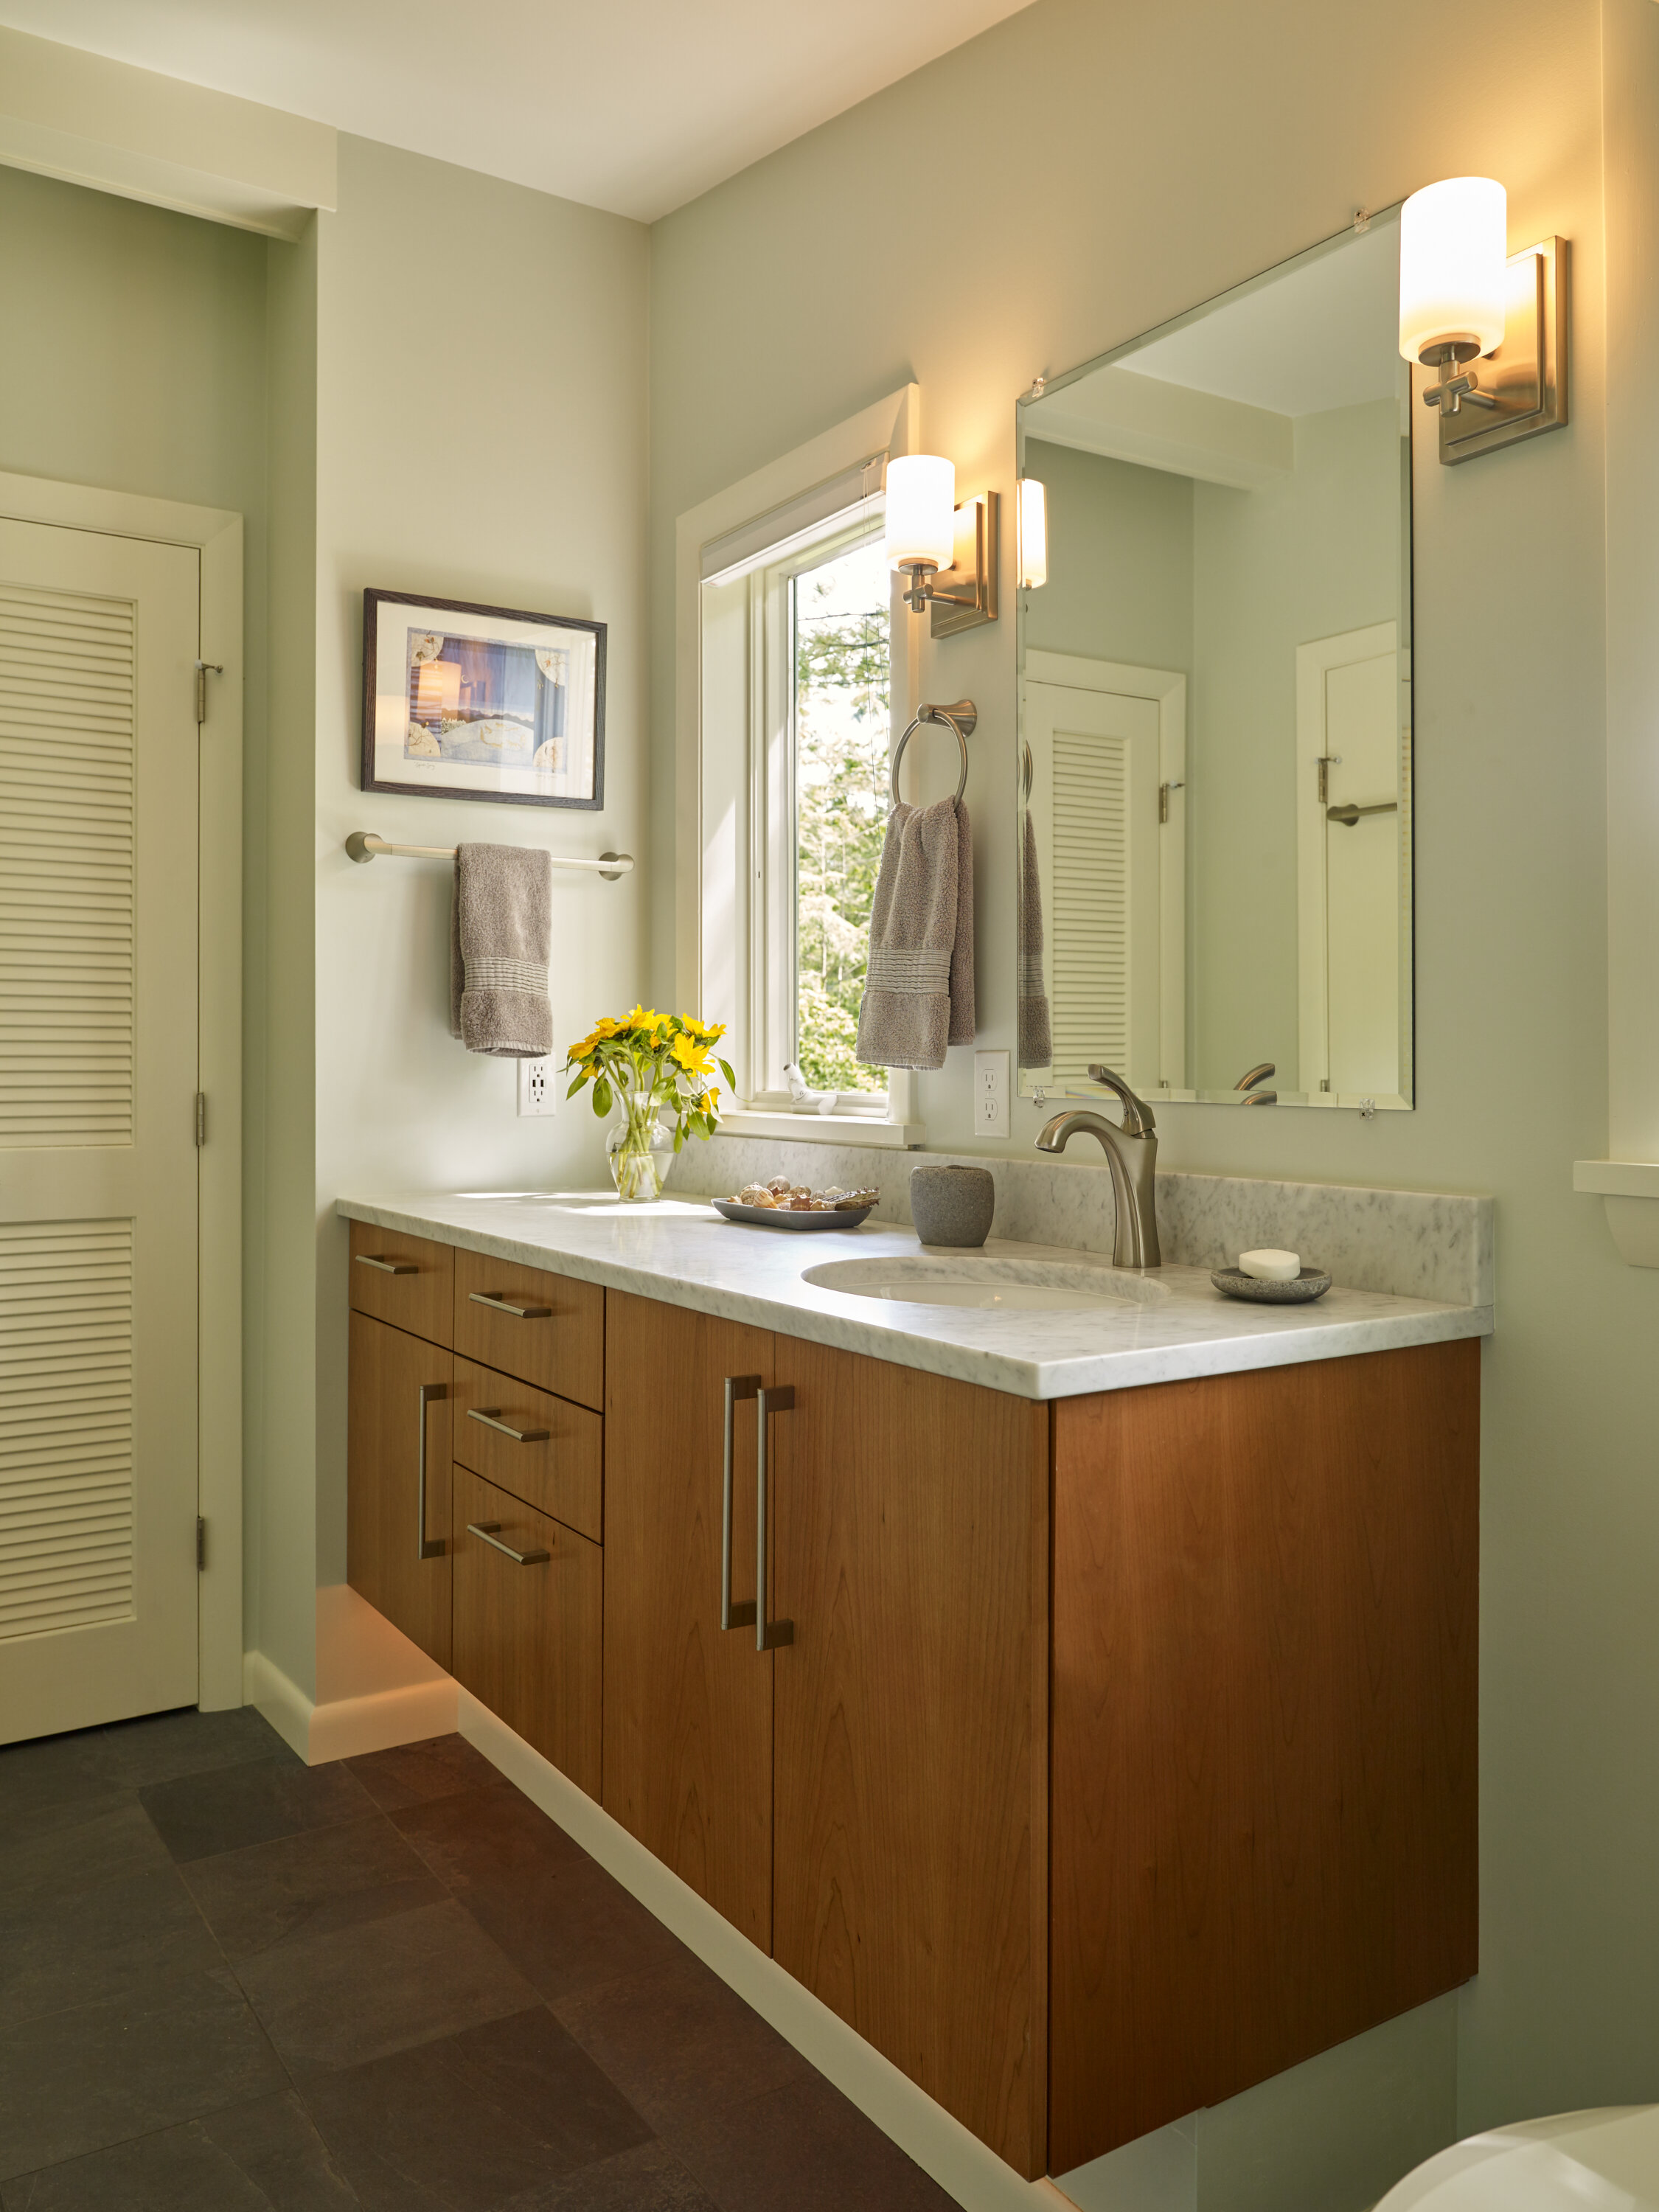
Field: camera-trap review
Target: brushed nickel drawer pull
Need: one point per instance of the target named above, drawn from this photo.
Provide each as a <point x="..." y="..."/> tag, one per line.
<point x="732" y="1616"/>
<point x="428" y="1548"/>
<point x="486" y="1529"/>
<point x="768" y="1634"/>
<point x="497" y="1303"/>
<point x="388" y="1267"/>
<point x="490" y="1416"/>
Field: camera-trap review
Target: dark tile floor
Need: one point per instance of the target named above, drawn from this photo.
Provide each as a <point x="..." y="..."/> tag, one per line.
<point x="229" y="1981"/>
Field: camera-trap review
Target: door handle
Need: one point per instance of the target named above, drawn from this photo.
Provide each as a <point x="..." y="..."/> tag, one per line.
<point x="732" y="1616"/>
<point x="490" y="1416"/>
<point x="768" y="1634"/>
<point x="426" y="1547"/>
<point x="497" y="1303"/>
<point x="487" y="1531"/>
<point x="388" y="1267"/>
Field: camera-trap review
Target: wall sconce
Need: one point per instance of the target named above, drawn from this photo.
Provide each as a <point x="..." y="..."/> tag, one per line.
<point x="926" y="535"/>
<point x="1033" y="534"/>
<point x="1464" y="295"/>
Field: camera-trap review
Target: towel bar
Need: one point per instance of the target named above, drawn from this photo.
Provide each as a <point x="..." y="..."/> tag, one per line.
<point x="363" y="845"/>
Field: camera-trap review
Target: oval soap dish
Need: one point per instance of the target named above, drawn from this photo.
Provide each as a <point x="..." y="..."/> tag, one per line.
<point x="1311" y="1283"/>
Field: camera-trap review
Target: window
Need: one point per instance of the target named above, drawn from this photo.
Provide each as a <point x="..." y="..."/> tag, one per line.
<point x="792" y="666"/>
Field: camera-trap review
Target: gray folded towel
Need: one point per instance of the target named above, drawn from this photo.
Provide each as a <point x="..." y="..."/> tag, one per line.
<point x="1036" y="1047"/>
<point x="499" y="941"/>
<point x="918" y="991"/>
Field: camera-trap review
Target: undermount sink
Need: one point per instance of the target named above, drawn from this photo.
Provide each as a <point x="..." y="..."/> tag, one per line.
<point x="997" y="1286"/>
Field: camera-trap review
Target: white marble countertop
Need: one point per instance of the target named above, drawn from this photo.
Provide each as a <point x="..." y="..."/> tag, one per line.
<point x="682" y="1251"/>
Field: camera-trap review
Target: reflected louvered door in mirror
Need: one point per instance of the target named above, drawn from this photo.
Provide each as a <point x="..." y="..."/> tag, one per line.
<point x="98" y="1175"/>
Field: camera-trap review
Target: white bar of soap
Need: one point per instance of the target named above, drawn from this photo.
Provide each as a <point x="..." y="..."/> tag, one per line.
<point x="1270" y="1266"/>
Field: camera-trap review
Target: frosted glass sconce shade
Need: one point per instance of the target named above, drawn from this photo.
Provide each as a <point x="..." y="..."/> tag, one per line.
<point x="1033" y="534"/>
<point x="1454" y="247"/>
<point x="922" y="506"/>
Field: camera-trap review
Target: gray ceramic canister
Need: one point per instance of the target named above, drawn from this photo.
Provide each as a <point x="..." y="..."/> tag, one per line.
<point x="953" y="1205"/>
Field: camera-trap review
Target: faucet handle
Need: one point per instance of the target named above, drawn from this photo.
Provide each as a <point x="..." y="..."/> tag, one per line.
<point x="1137" y="1114"/>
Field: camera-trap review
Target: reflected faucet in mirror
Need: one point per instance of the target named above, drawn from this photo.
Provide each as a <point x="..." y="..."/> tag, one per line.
<point x="1259" y="1074"/>
<point x="1131" y="1156"/>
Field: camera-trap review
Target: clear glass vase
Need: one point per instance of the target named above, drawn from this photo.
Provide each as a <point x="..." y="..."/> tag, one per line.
<point x="641" y="1151"/>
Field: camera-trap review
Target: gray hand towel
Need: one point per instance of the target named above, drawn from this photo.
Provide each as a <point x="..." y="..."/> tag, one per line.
<point x="1036" y="1032"/>
<point x="499" y="942"/>
<point x="918" y="994"/>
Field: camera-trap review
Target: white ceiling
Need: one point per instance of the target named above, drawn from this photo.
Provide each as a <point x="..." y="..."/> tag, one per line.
<point x="636" y="105"/>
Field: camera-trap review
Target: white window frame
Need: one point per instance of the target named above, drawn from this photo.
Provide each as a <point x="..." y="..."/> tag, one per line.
<point x="734" y="761"/>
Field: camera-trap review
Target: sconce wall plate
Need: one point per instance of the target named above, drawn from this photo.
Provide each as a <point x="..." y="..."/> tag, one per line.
<point x="973" y="568"/>
<point x="1526" y="377"/>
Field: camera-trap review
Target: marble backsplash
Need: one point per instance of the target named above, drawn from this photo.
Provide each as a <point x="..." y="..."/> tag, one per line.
<point x="1413" y="1243"/>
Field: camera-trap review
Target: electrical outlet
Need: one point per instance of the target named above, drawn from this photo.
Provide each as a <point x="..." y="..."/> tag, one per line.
<point x="538" y="1086"/>
<point x="990" y="1094"/>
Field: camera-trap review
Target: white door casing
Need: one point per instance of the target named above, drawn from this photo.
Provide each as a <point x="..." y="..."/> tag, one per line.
<point x="1353" y="894"/>
<point x="1107" y="741"/>
<point x="119" y="998"/>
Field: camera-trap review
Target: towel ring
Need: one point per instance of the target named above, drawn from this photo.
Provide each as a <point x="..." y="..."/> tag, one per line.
<point x="961" y="717"/>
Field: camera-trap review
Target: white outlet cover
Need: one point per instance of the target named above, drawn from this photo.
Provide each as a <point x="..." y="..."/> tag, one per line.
<point x="538" y="1086"/>
<point x="991" y="1094"/>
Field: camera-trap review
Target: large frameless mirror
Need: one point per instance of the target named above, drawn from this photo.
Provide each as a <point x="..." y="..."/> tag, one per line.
<point x="1214" y="818"/>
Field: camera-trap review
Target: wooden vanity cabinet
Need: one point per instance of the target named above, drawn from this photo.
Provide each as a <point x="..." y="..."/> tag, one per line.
<point x="528" y="1602"/>
<point x="1264" y="1722"/>
<point x="866" y="1799"/>
<point x="397" y="1480"/>
<point x="688" y="1706"/>
<point x="407" y="1280"/>
<point x="909" y="1777"/>
<point x="545" y="1329"/>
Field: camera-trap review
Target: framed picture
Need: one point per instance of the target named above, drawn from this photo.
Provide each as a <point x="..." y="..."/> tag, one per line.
<point x="463" y="702"/>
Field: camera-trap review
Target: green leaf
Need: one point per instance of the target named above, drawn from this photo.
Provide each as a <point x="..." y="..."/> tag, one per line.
<point x="725" y="1068"/>
<point x="679" y="1139"/>
<point x="575" y="1086"/>
<point x="601" y="1097"/>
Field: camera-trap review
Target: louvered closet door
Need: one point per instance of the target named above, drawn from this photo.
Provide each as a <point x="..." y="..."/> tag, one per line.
<point x="1094" y="804"/>
<point x="98" y="1058"/>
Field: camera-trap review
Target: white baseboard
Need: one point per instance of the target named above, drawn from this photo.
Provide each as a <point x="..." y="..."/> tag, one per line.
<point x="375" y="1688"/>
<point x="962" y="2165"/>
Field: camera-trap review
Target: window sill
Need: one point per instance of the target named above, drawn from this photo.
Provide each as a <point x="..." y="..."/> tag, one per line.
<point x="824" y="1128"/>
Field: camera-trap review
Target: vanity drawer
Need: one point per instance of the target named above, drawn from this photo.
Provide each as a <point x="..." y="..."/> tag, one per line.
<point x="547" y="1329"/>
<point x="528" y="1625"/>
<point x="406" y="1281"/>
<point x="545" y="1450"/>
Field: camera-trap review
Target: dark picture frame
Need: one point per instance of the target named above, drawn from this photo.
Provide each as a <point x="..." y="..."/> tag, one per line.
<point x="497" y="704"/>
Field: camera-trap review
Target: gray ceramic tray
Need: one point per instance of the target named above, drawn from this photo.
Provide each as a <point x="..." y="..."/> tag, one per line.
<point x="1311" y="1283"/>
<point x="778" y="1217"/>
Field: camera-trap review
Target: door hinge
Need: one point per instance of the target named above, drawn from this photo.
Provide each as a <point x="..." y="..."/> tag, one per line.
<point x="201" y="1543"/>
<point x="201" y="1118"/>
<point x="203" y="669"/>
<point x="1164" y="791"/>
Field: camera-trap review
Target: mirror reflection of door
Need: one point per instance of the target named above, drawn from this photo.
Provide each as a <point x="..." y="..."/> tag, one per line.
<point x="1104" y="747"/>
<point x="1351" y="748"/>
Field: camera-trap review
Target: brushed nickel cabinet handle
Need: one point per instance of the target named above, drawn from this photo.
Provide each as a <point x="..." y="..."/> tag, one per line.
<point x="426" y="1547"/>
<point x="768" y="1634"/>
<point x="487" y="1528"/>
<point x="491" y="1417"/>
<point x="732" y="1616"/>
<point x="497" y="1303"/>
<point x="388" y="1267"/>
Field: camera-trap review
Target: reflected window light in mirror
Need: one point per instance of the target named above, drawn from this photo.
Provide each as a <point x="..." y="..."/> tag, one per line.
<point x="1033" y="534"/>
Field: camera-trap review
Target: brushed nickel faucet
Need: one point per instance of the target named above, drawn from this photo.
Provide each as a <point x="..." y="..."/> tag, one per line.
<point x="1132" y="1155"/>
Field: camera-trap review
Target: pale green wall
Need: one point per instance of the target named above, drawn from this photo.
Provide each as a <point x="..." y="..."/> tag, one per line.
<point x="1126" y="163"/>
<point x="481" y="432"/>
<point x="1309" y="556"/>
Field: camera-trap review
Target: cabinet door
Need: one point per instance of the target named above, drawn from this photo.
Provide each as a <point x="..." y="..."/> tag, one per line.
<point x="910" y="1842"/>
<point x="397" y="1478"/>
<point x="687" y="1707"/>
<point x="529" y="1594"/>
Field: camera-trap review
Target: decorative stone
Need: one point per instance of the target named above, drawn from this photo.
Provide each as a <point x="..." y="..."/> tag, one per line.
<point x="952" y="1205"/>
